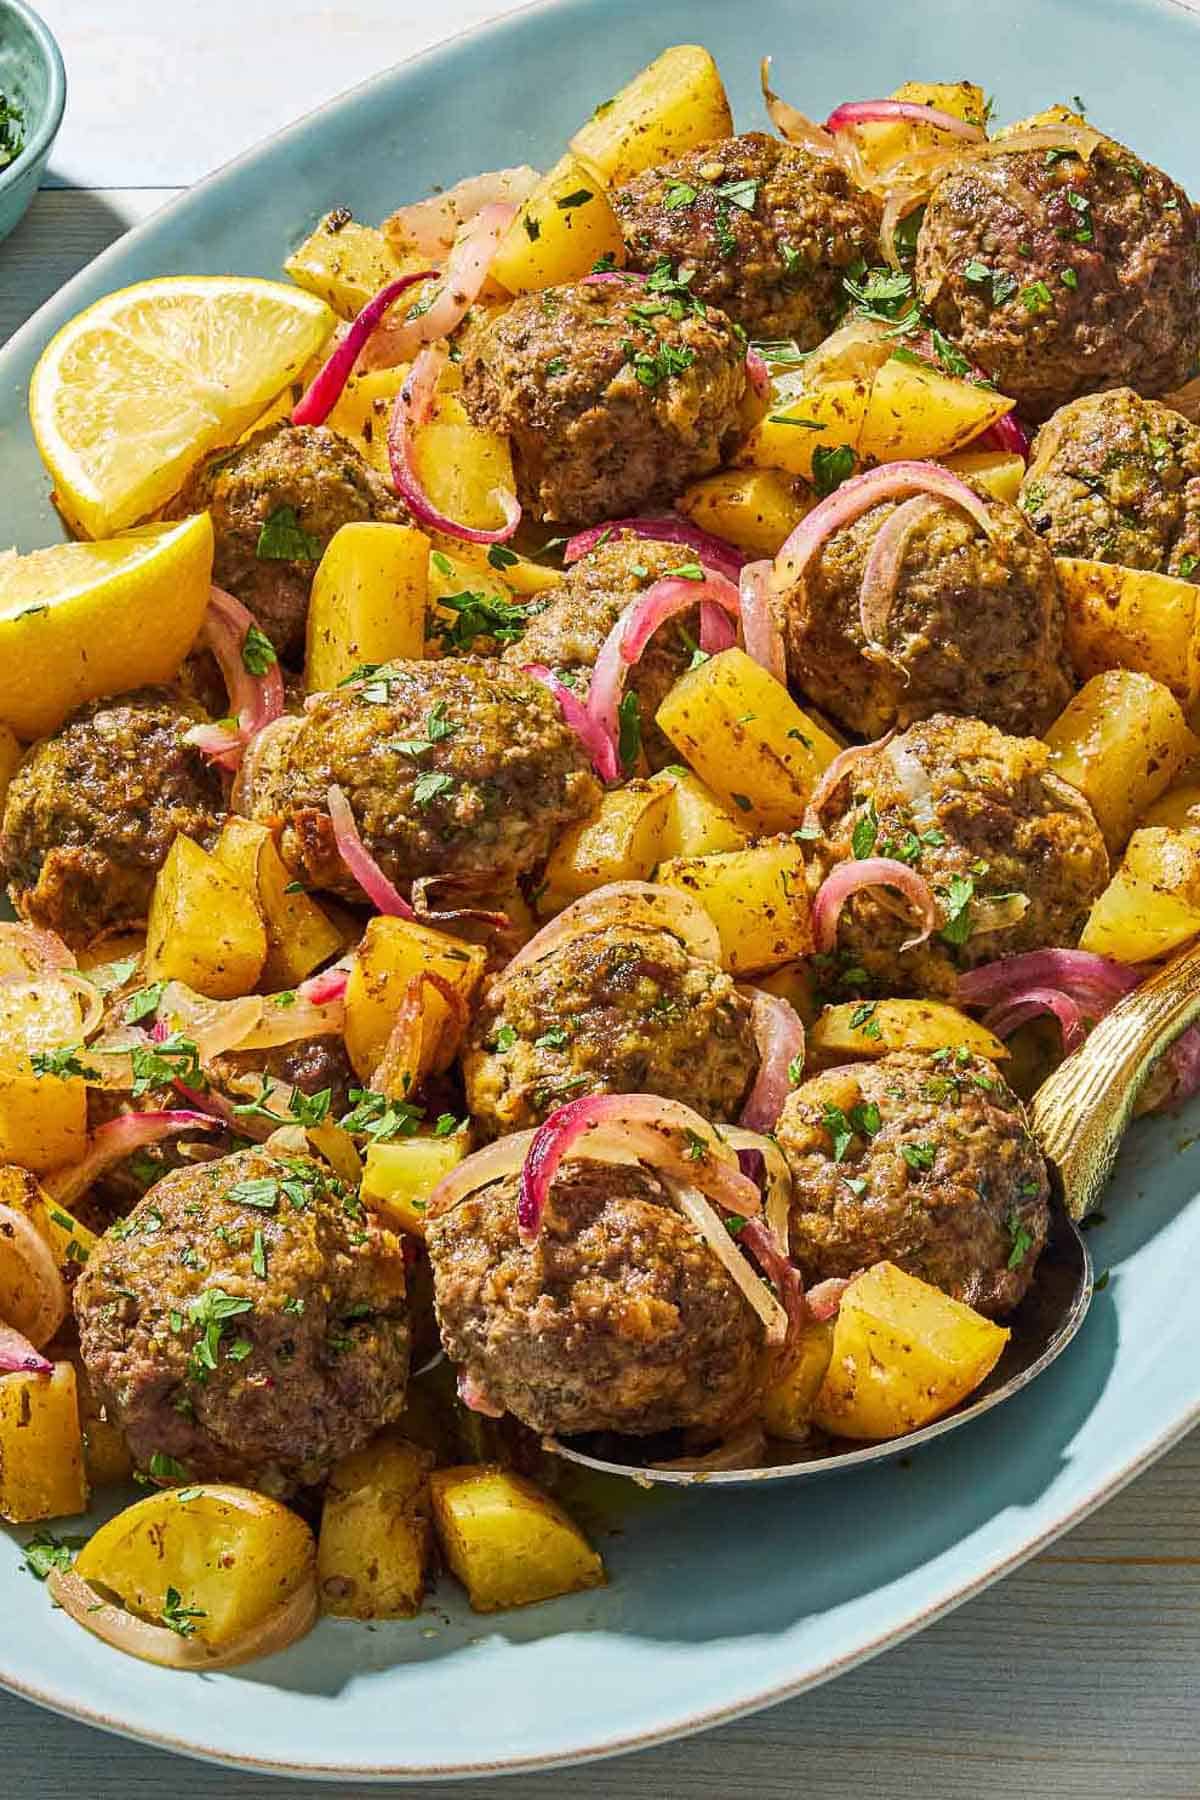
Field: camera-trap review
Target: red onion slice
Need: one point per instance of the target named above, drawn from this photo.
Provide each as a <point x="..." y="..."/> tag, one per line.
<point x="758" y="374"/>
<point x="430" y="914"/>
<point x="779" y="1269"/>
<point x="628" y="638"/>
<point x="1183" y="1059"/>
<point x="473" y="1396"/>
<point x="493" y="1163"/>
<point x="779" y="1037"/>
<point x="18" y="1356"/>
<point x="636" y="905"/>
<point x="824" y="1300"/>
<point x="666" y="528"/>
<point x="886" y="112"/>
<point x="429" y="227"/>
<point x="116" y="1140"/>
<point x="706" y="1222"/>
<point x="358" y="859"/>
<point x="39" y="1286"/>
<point x="1004" y="1018"/>
<point x="841" y="766"/>
<point x="881" y="572"/>
<point x="461" y="280"/>
<point x="717" y="630"/>
<point x="590" y="732"/>
<point x="414" y="404"/>
<point x="255" y="700"/>
<point x="41" y="952"/>
<point x="872" y="871"/>
<point x="653" y="1127"/>
<point x="329" y="985"/>
<point x="1086" y="977"/>
<point x="891" y="481"/>
<point x="325" y="390"/>
<point x="760" y="632"/>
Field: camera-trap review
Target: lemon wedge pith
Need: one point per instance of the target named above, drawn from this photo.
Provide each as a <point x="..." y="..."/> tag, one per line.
<point x="81" y="620"/>
<point x="133" y="391"/>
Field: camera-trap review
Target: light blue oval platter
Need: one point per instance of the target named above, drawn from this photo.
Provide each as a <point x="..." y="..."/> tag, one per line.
<point x="719" y="1601"/>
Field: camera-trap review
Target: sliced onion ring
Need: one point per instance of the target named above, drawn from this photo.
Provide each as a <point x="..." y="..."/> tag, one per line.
<point x="777" y="1175"/>
<point x="760" y="631"/>
<point x="1004" y="1018"/>
<point x="38" y="1285"/>
<point x="623" y="646"/>
<point x="794" y="126"/>
<point x="591" y="734"/>
<point x="464" y="275"/>
<point x="429" y="227"/>
<point x="702" y="1216"/>
<point x="422" y="899"/>
<point x="18" y="1356"/>
<point x="824" y="1300"/>
<point x="872" y="871"/>
<point x="384" y="897"/>
<point x="475" y="1398"/>
<point x="758" y="374"/>
<point x="1092" y="980"/>
<point x="871" y="112"/>
<point x="325" y="390"/>
<point x="414" y="404"/>
<point x="494" y="1162"/>
<point x="841" y="766"/>
<point x="327" y="986"/>
<point x="665" y="528"/>
<point x="640" y="905"/>
<point x="290" y="1620"/>
<point x="255" y="700"/>
<point x="116" y="1140"/>
<point x="779" y="1037"/>
<point x="780" y="1270"/>
<point x="41" y="952"/>
<point x="881" y="572"/>
<point x="891" y="481"/>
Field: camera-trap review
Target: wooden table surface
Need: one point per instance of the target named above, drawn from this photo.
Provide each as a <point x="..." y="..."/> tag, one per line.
<point x="1079" y="1675"/>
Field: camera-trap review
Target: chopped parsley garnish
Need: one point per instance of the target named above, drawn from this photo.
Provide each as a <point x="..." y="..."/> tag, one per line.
<point x="282" y="539"/>
<point x="501" y="557"/>
<point x="209" y="1312"/>
<point x="12" y="131"/>
<point x="554" y="1039"/>
<point x="569" y="202"/>
<point x="64" y="1063"/>
<point x="862" y="1018"/>
<point x="742" y="194"/>
<point x="144" y="1004"/>
<point x="556" y="366"/>
<point x="259" y="1191"/>
<point x="1188" y="566"/>
<point x="881" y="293"/>
<point x="919" y="1156"/>
<point x="604" y="265"/>
<point x="723" y="231"/>
<point x="258" y="652"/>
<point x="430" y="787"/>
<point x="957" y="898"/>
<point x="1001" y="285"/>
<point x="679" y="194"/>
<point x="480" y="615"/>
<point x="863" y="1120"/>
<point x="310" y="1110"/>
<point x="533" y="230"/>
<point x="796" y="419"/>
<point x="1037" y="298"/>
<point x="1020" y="1239"/>
<point x="177" y="1617"/>
<point x="258" y="1256"/>
<point x="44" y="1552"/>
<point x="697" y="1146"/>
<point x="831" y="465"/>
<point x="654" y="367"/>
<point x="167" y="1468"/>
<point x="176" y="1058"/>
<point x="1081" y="206"/>
<point x="377" y="1117"/>
<point x="865" y="833"/>
<point x="629" y="736"/>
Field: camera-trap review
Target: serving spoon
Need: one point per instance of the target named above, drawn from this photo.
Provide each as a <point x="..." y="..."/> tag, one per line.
<point x="1079" y="1117"/>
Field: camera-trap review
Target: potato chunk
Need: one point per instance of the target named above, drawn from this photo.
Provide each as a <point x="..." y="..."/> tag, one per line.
<point x="399" y="1177"/>
<point x="696" y="823"/>
<point x="917" y="412"/>
<point x="1152" y="904"/>
<point x="674" y="105"/>
<point x="368" y="602"/>
<point x="823" y="418"/>
<point x="43" y="1118"/>
<point x="1132" y="619"/>
<point x="204" y="928"/>
<point x="300" y="935"/>
<point x="230" y="1556"/>
<point x="344" y="263"/>
<point x="562" y="231"/>
<point x="757" y="900"/>
<point x="376" y="1536"/>
<point x="789" y="1400"/>
<point x="753" y="509"/>
<point x="41" y="1447"/>
<point x="507" y="1541"/>
<point x="903" y="1354"/>
<point x="393" y="952"/>
<point x="744" y="735"/>
<point x="999" y="472"/>
<point x="622" y="841"/>
<point x="461" y="466"/>
<point x="877" y="1027"/>
<point x="1121" y="741"/>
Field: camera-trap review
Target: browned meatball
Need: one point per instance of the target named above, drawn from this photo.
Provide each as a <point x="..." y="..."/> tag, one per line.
<point x="619" y="1318"/>
<point x="1116" y="479"/>
<point x="921" y="1160"/>
<point x="568" y="634"/>
<point x="248" y="1319"/>
<point x="1012" y="853"/>
<point x="459" y="768"/>
<point x="275" y="502"/>
<point x="975" y="625"/>
<point x="760" y="228"/>
<point x="92" y="811"/>
<point x="613" y="1011"/>
<point x="610" y="401"/>
<point x="1062" y="276"/>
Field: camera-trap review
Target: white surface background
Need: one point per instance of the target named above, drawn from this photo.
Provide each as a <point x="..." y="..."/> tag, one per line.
<point x="1079" y="1676"/>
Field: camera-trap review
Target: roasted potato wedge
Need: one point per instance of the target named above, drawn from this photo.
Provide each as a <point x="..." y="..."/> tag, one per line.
<point x="1152" y="904"/>
<point x="345" y="263"/>
<point x="43" y="1117"/>
<point x="756" y="899"/>
<point x="399" y="1177"/>
<point x="998" y="472"/>
<point x="753" y="509"/>
<point x="674" y="105"/>
<point x="789" y="1400"/>
<point x="376" y="1536"/>
<point x="870" y="1028"/>
<point x="1132" y="619"/>
<point x="461" y="467"/>
<point x="563" y="230"/>
<point x="393" y="952"/>
<point x="507" y="1541"/>
<point x="696" y="823"/>
<point x="827" y="417"/>
<point x="300" y="935"/>
<point x="41" y="1447"/>
<point x="622" y="841"/>
<point x="918" y="412"/>
<point x="1121" y="741"/>
<point x="368" y="602"/>
<point x="1179" y="808"/>
<point x="204" y="928"/>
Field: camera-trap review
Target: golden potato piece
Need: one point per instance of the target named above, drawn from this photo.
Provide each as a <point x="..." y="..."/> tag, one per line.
<point x="674" y="105"/>
<point x="41" y="1447"/>
<point x="917" y="412"/>
<point x="563" y="230"/>
<point x="789" y="1400"/>
<point x="1179" y="808"/>
<point x="43" y="1117"/>
<point x="363" y="410"/>
<point x="753" y="509"/>
<point x="204" y="928"/>
<point x="904" y="1353"/>
<point x="743" y="734"/>
<point x="1121" y="741"/>
<point x="461" y="466"/>
<point x="399" y="1177"/>
<point x="376" y="1535"/>
<point x="999" y="472"/>
<point x="345" y="263"/>
<point x="392" y="953"/>
<point x="622" y="841"/>
<point x="10" y="755"/>
<point x="1152" y="904"/>
<point x="229" y="1555"/>
<point x="300" y="935"/>
<point x="827" y="417"/>
<point x="507" y="1541"/>
<point x="696" y="823"/>
<point x="756" y="898"/>
<point x="1132" y="619"/>
<point x="881" y="142"/>
<point x="368" y="602"/>
<point x="877" y="1027"/>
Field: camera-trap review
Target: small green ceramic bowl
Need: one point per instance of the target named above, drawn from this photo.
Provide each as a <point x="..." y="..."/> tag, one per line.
<point x="31" y="77"/>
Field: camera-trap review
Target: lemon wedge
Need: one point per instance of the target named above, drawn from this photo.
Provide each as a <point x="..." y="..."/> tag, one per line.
<point x="81" y="620"/>
<point x="135" y="390"/>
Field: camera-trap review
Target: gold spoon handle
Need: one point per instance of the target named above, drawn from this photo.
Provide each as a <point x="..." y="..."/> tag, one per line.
<point x="1080" y="1114"/>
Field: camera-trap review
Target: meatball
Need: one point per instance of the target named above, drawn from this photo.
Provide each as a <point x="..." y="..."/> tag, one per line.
<point x="568" y="634"/>
<point x="248" y="1320"/>
<point x="759" y="228"/>
<point x="275" y="502"/>
<point x="613" y="398"/>
<point x="619" y="1318"/>
<point x="1116" y="478"/>
<point x="92" y="811"/>
<point x="974" y="626"/>
<point x="1062" y="276"/>
<point x="924" y="1160"/>
<point x="457" y="768"/>
<point x="1012" y="853"/>
<point x="613" y="1011"/>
